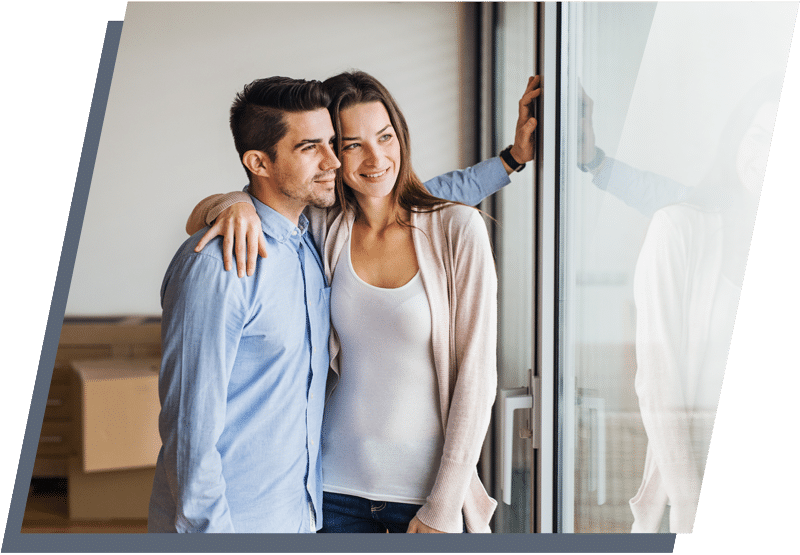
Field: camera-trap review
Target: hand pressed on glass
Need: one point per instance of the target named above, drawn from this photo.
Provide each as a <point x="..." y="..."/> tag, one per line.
<point x="524" y="146"/>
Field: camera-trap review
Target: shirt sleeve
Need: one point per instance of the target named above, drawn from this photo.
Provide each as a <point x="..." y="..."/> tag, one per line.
<point x="645" y="191"/>
<point x="203" y="315"/>
<point x="473" y="393"/>
<point x="471" y="185"/>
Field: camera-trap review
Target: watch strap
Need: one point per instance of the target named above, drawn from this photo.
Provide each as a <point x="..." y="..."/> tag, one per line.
<point x="599" y="156"/>
<point x="505" y="154"/>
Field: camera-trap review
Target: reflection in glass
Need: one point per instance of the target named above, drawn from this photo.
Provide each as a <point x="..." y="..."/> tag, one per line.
<point x="686" y="288"/>
<point x="668" y="110"/>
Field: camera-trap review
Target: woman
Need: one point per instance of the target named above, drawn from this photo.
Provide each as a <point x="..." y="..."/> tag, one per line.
<point x="687" y="284"/>
<point x="413" y="307"/>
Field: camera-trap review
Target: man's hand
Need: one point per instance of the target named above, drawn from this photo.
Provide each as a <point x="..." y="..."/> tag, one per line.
<point x="240" y="228"/>
<point x="524" y="144"/>
<point x="417" y="527"/>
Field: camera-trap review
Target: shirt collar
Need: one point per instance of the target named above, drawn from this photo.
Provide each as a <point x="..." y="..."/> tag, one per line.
<point x="278" y="226"/>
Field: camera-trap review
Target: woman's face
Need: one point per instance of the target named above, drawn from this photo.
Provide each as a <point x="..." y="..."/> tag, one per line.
<point x="370" y="152"/>
<point x="751" y="158"/>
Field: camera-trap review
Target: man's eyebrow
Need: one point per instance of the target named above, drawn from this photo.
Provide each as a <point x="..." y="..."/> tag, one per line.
<point x="356" y="138"/>
<point x="305" y="142"/>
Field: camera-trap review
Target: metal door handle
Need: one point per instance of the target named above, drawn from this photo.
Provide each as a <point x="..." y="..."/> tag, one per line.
<point x="597" y="435"/>
<point x="511" y="400"/>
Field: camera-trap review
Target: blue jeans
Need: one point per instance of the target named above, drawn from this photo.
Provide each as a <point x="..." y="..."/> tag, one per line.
<point x="347" y="514"/>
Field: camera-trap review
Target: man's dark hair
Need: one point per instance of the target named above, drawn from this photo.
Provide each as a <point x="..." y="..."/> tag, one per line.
<point x="257" y="121"/>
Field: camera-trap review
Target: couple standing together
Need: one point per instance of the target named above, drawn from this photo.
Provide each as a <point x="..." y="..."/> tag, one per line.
<point x="373" y="299"/>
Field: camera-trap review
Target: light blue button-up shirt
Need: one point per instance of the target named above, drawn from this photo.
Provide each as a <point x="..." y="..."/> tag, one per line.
<point x="243" y="374"/>
<point x="242" y="387"/>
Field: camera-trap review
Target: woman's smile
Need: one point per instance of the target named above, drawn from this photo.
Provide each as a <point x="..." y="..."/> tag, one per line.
<point x="370" y="152"/>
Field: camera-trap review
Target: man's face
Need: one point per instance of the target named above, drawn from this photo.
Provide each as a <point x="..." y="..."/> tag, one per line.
<point x="305" y="165"/>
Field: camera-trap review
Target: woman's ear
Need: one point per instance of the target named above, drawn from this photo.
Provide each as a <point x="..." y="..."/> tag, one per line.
<point x="257" y="162"/>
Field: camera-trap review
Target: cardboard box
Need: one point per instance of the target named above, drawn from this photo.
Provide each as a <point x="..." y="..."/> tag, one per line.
<point x="117" y="413"/>
<point x="118" y="441"/>
<point x="118" y="494"/>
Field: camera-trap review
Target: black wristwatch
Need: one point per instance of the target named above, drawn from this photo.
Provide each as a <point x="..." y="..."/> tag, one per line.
<point x="505" y="154"/>
<point x="599" y="156"/>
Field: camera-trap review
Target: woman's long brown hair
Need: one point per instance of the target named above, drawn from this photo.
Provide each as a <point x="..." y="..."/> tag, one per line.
<point x="357" y="87"/>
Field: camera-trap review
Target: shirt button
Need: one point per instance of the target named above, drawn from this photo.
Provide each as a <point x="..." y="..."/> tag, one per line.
<point x="311" y="397"/>
<point x="294" y="232"/>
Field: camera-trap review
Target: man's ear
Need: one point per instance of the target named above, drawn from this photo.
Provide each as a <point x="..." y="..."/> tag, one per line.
<point x="257" y="162"/>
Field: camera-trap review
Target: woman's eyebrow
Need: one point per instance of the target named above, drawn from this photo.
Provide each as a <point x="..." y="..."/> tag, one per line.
<point x="357" y="138"/>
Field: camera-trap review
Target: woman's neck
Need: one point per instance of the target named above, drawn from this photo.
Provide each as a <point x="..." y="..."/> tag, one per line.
<point x="378" y="214"/>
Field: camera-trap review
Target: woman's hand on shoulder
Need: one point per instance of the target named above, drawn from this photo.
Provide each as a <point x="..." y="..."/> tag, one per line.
<point x="240" y="228"/>
<point x="416" y="526"/>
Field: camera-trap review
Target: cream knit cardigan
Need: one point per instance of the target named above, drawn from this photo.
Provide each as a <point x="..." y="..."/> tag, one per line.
<point x="674" y="286"/>
<point x="458" y="272"/>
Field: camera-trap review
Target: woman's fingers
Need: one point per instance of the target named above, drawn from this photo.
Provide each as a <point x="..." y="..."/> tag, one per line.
<point x="416" y="526"/>
<point x="240" y="242"/>
<point x="220" y="227"/>
<point x="254" y="247"/>
<point x="227" y="246"/>
<point x="242" y="237"/>
<point x="210" y="234"/>
<point x="262" y="246"/>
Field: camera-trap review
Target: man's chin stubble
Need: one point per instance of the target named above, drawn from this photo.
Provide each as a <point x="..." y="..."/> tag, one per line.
<point x="325" y="202"/>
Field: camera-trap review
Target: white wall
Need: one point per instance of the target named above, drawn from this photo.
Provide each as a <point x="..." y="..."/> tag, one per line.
<point x="166" y="143"/>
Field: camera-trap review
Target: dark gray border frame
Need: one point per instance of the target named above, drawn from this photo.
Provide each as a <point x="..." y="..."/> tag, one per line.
<point x="16" y="542"/>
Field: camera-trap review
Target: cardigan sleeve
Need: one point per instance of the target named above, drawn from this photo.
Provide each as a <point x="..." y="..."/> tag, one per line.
<point x="661" y="286"/>
<point x="208" y="209"/>
<point x="473" y="387"/>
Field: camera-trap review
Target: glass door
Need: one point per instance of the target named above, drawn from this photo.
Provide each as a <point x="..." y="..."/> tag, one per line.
<point x="621" y="254"/>
<point x="665" y="112"/>
<point x="513" y="241"/>
<point x="599" y="425"/>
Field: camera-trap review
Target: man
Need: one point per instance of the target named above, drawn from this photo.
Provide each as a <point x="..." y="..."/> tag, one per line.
<point x="245" y="360"/>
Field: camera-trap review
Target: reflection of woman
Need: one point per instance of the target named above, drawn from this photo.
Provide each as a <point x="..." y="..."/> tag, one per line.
<point x="686" y="287"/>
<point x="413" y="304"/>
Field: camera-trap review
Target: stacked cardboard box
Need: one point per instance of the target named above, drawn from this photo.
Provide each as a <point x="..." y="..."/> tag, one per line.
<point x="118" y="438"/>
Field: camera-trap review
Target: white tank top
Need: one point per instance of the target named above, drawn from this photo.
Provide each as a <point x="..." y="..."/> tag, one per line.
<point x="382" y="433"/>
